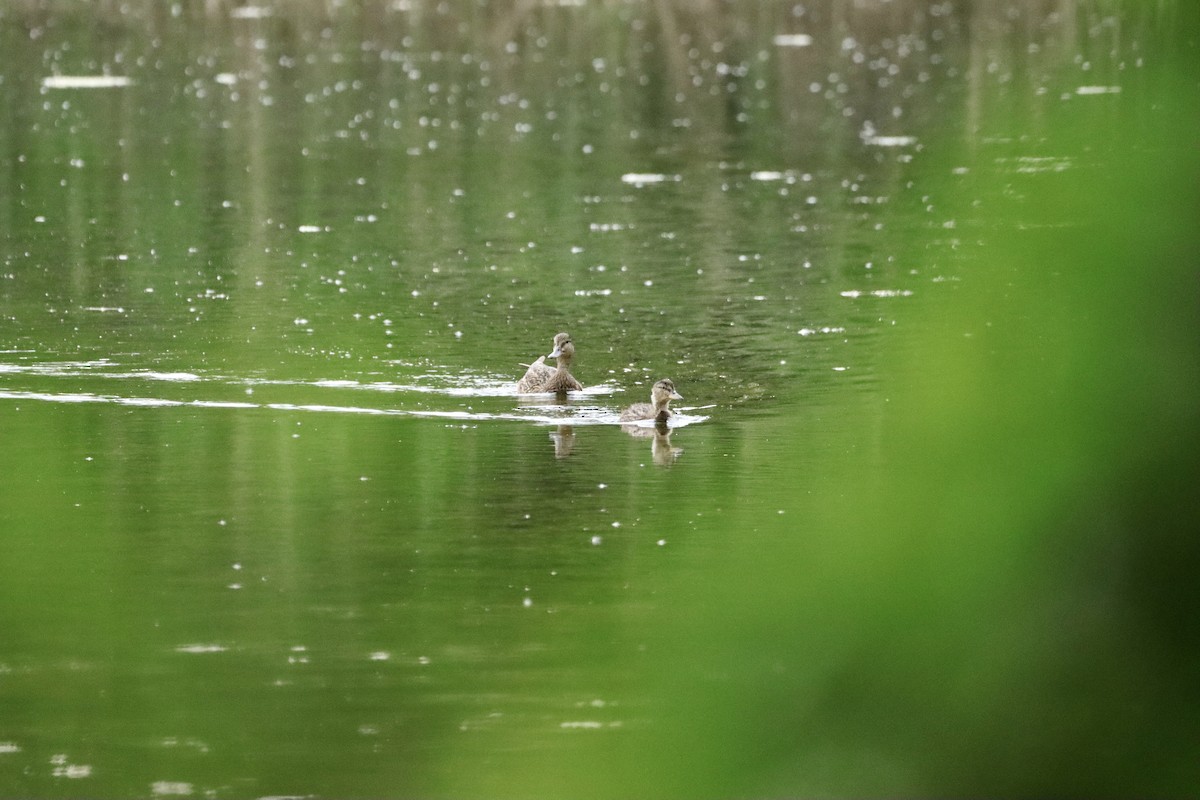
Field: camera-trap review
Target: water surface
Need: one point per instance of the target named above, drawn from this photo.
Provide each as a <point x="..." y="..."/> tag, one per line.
<point x="275" y="521"/>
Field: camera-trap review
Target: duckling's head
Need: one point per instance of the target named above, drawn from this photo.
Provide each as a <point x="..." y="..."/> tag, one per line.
<point x="663" y="393"/>
<point x="563" y="348"/>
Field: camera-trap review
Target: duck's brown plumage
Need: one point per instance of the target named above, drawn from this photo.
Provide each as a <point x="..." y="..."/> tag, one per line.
<point x="540" y="377"/>
<point x="661" y="395"/>
<point x="539" y="373"/>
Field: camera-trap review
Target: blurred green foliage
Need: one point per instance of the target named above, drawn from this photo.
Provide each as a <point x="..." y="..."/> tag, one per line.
<point x="1008" y="606"/>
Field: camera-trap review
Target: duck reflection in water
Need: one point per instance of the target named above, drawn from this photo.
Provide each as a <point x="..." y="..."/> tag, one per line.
<point x="541" y="377"/>
<point x="564" y="441"/>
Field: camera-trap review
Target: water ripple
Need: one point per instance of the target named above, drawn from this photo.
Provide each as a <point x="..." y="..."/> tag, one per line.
<point x="547" y="410"/>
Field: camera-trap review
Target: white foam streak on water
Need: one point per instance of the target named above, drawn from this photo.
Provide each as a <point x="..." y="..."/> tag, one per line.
<point x="479" y="387"/>
<point x="71" y="369"/>
<point x="545" y="409"/>
<point x="221" y="404"/>
<point x="150" y="402"/>
<point x="566" y="414"/>
<point x="54" y="368"/>
<point x="474" y="386"/>
<point x="678" y="420"/>
<point x="854" y="293"/>
<point x="173" y="377"/>
<point x="54" y="398"/>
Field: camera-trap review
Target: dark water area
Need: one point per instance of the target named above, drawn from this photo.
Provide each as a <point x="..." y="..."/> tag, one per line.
<point x="276" y="522"/>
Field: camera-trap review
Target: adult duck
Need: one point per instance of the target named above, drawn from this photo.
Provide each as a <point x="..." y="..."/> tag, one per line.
<point x="541" y="377"/>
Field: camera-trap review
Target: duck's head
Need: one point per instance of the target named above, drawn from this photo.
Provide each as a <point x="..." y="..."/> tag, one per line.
<point x="664" y="392"/>
<point x="563" y="348"/>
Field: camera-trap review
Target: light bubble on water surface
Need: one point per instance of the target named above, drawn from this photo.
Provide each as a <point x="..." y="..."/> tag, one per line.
<point x="1038" y="164"/>
<point x="200" y="648"/>
<point x="770" y="175"/>
<point x="792" y="40"/>
<point x="86" y="82"/>
<point x="640" y="179"/>
<point x="171" y="789"/>
<point x="890" y="141"/>
<point x="63" y="769"/>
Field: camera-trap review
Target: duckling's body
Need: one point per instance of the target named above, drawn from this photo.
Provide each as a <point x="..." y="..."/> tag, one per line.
<point x="658" y="409"/>
<point x="540" y="377"/>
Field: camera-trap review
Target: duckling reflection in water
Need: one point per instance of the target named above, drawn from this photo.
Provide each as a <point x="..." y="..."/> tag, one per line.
<point x="658" y="409"/>
<point x="661" y="449"/>
<point x="540" y="377"/>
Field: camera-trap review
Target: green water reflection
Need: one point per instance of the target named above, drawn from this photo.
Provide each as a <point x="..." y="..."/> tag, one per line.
<point x="274" y="522"/>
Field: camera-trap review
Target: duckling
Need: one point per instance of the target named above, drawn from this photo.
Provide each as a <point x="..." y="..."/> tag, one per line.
<point x="541" y="378"/>
<point x="658" y="409"/>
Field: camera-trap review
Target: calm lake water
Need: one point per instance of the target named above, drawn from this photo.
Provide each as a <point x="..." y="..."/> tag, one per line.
<point x="275" y="521"/>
